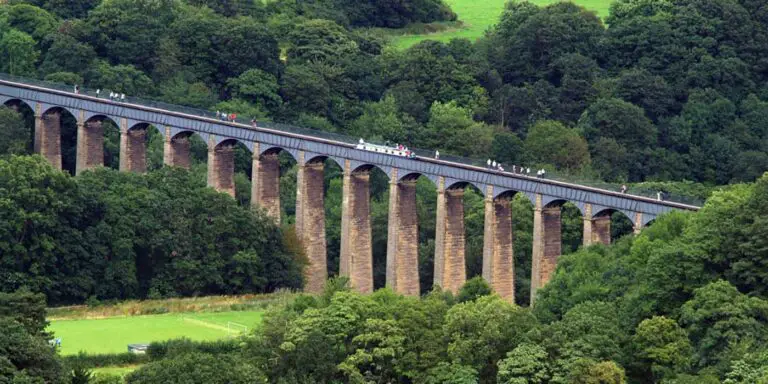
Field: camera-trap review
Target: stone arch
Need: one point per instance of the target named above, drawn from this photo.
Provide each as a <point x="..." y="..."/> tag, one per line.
<point x="412" y="176"/>
<point x="100" y="118"/>
<point x="366" y="167"/>
<point x="322" y="158"/>
<point x="9" y="101"/>
<point x="265" y="149"/>
<point x="452" y="184"/>
<point x="609" y="212"/>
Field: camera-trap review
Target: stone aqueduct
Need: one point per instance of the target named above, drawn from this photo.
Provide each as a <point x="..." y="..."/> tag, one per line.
<point x="310" y="152"/>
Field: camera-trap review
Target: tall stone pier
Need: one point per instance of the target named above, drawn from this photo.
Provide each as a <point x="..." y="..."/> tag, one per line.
<point x="498" y="250"/>
<point x="547" y="244"/>
<point x="265" y="182"/>
<point x="221" y="166"/>
<point x="356" y="253"/>
<point x="48" y="135"/>
<point x="176" y="150"/>
<point x="90" y="145"/>
<point x="403" y="237"/>
<point x="450" y="265"/>
<point x="310" y="221"/>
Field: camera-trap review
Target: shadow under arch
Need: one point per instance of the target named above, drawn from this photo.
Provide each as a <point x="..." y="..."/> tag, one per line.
<point x="26" y="139"/>
<point x="621" y="224"/>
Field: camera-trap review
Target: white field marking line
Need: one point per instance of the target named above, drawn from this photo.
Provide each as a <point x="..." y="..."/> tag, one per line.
<point x="206" y="324"/>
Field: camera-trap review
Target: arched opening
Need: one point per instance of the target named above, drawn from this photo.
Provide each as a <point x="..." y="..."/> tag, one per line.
<point x="59" y="146"/>
<point x="17" y="127"/>
<point x="522" y="237"/>
<point x="572" y="232"/>
<point x="333" y="185"/>
<point x="620" y="224"/>
<point x="474" y="226"/>
<point x="379" y="211"/>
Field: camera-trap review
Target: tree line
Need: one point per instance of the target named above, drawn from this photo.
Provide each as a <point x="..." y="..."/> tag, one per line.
<point x="684" y="302"/>
<point x="117" y="236"/>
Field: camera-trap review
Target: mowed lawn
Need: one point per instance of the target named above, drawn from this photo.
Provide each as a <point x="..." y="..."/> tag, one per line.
<point x="112" y="335"/>
<point x="479" y="15"/>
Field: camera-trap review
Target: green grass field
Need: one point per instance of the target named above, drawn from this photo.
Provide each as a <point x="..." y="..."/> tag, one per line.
<point x="112" y="335"/>
<point x="479" y="15"/>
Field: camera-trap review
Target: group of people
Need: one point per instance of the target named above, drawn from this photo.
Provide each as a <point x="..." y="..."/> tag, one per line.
<point x="114" y="96"/>
<point x="231" y="117"/>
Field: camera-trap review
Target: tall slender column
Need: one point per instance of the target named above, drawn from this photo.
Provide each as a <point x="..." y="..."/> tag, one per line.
<point x="450" y="266"/>
<point x="90" y="145"/>
<point x="133" y="148"/>
<point x="48" y="136"/>
<point x="36" y="145"/>
<point x="221" y="167"/>
<point x="265" y="188"/>
<point x="356" y="252"/>
<point x="403" y="237"/>
<point x="310" y="221"/>
<point x="498" y="252"/>
<point x="638" y="224"/>
<point x="587" y="237"/>
<point x="547" y="244"/>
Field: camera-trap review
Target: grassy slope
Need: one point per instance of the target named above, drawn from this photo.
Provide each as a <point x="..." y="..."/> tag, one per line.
<point x="479" y="15"/>
<point x="112" y="335"/>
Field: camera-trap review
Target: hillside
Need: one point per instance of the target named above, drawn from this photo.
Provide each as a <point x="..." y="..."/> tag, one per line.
<point x="477" y="16"/>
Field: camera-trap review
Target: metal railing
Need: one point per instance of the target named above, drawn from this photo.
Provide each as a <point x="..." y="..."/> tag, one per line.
<point x="422" y="153"/>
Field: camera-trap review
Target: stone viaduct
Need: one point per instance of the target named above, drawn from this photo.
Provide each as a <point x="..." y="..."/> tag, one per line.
<point x="310" y="152"/>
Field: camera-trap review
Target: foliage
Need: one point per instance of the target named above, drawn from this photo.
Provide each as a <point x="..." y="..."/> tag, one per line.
<point x="211" y="245"/>
<point x="196" y="367"/>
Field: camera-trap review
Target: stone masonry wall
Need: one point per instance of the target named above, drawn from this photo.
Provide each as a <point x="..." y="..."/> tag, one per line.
<point x="552" y="243"/>
<point x="407" y="256"/>
<point x="268" y="184"/>
<point x="313" y="232"/>
<point x="503" y="263"/>
<point x="360" y="251"/>
<point x="50" y="138"/>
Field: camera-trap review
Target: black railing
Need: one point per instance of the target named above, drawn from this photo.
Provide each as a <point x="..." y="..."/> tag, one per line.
<point x="556" y="176"/>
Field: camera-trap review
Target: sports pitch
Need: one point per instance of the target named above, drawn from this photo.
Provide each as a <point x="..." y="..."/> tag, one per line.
<point x="112" y="335"/>
<point x="479" y="15"/>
